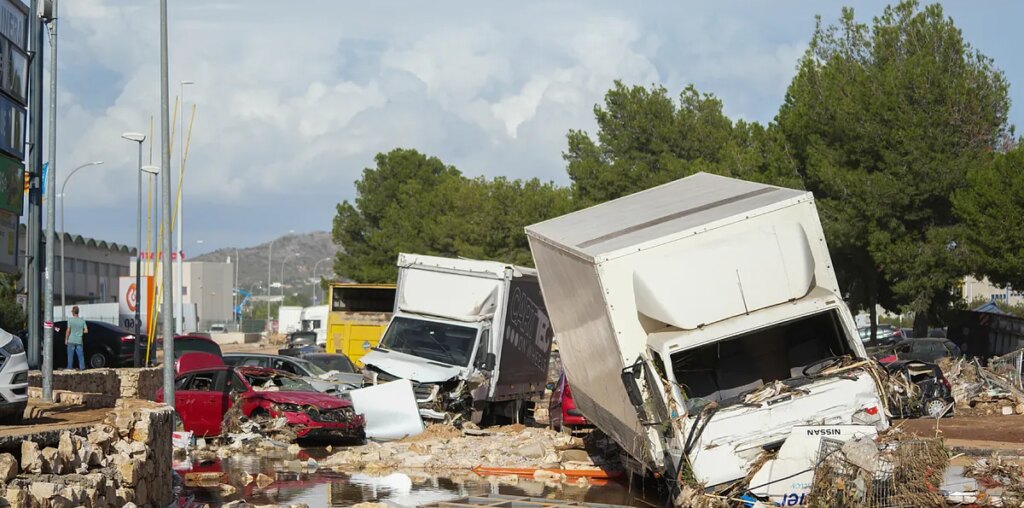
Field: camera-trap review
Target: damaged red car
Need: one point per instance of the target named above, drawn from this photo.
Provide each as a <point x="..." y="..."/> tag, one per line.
<point x="203" y="396"/>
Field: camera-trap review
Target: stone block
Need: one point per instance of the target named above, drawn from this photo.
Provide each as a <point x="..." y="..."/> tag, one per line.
<point x="31" y="457"/>
<point x="130" y="471"/>
<point x="8" y="467"/>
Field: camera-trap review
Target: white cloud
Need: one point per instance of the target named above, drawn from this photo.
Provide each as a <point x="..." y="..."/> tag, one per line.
<point x="294" y="102"/>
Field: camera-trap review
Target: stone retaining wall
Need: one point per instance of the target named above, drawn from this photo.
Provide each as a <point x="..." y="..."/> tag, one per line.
<point x="118" y="383"/>
<point x="126" y="459"/>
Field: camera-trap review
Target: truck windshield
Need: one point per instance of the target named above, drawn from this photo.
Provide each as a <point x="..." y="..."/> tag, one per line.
<point x="441" y="342"/>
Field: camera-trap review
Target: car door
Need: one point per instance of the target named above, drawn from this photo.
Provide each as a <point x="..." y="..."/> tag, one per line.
<point x="183" y="404"/>
<point x="208" y="401"/>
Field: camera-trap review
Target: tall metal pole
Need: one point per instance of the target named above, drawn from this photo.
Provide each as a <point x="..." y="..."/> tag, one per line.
<point x="138" y="264"/>
<point x="51" y="208"/>
<point x="165" y="155"/>
<point x="35" y="169"/>
<point x="179" y="281"/>
<point x="234" y="293"/>
<point x="270" y="268"/>
<point x="316" y="283"/>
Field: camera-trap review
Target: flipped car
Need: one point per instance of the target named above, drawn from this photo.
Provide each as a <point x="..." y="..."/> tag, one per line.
<point x="925" y="391"/>
<point x="321" y="380"/>
<point x="203" y="396"/>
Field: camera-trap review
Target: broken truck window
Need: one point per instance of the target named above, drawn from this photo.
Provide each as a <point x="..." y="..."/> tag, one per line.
<point x="724" y="371"/>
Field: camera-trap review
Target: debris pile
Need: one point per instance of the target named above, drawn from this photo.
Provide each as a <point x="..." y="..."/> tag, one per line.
<point x="124" y="460"/>
<point x="445" y="448"/>
<point x="985" y="389"/>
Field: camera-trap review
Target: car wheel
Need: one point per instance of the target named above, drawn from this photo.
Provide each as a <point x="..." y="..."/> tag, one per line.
<point x="98" y="360"/>
<point x="935" y="408"/>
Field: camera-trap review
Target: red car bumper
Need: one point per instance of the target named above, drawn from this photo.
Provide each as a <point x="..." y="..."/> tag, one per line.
<point x="306" y="425"/>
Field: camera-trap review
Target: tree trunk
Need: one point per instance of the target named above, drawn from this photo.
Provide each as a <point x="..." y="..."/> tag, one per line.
<point x="921" y="324"/>
<point x="873" y="313"/>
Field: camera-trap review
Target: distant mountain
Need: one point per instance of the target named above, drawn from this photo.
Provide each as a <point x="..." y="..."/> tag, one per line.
<point x="299" y="252"/>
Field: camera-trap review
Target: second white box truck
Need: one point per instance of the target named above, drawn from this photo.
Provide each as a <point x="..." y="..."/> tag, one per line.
<point x="700" y="321"/>
<point x="473" y="336"/>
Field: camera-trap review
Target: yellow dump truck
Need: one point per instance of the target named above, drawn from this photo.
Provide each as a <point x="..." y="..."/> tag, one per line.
<point x="357" y="317"/>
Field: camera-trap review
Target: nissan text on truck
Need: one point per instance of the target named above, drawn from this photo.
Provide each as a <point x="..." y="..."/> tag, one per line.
<point x="473" y="336"/>
<point x="699" y="322"/>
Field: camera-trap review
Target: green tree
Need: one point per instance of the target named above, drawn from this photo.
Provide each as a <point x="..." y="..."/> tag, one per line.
<point x="414" y="203"/>
<point x="646" y="139"/>
<point x="992" y="210"/>
<point x="12" y="314"/>
<point x="885" y="123"/>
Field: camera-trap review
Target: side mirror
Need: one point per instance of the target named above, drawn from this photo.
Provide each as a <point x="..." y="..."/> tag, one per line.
<point x="488" y="362"/>
<point x="632" y="388"/>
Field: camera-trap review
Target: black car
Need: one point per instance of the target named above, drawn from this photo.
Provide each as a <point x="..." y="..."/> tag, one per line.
<point x="106" y="345"/>
<point x="922" y="350"/>
<point x="934" y="397"/>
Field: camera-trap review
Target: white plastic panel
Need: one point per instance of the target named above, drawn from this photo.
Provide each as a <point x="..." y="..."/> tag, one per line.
<point x="727" y="278"/>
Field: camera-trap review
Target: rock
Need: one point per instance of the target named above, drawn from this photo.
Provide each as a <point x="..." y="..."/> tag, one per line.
<point x="17" y="496"/>
<point x="42" y="492"/>
<point x="263" y="481"/>
<point x="1019" y="409"/>
<point x="129" y="471"/>
<point x="140" y="431"/>
<point x="532" y="450"/>
<point x="227" y="490"/>
<point x="1007" y="410"/>
<point x="329" y="448"/>
<point x="312" y="464"/>
<point x="294" y="449"/>
<point x="31" y="457"/>
<point x="67" y="449"/>
<point x="8" y="467"/>
<point x="131" y="505"/>
<point x="90" y="455"/>
<point x="102" y="436"/>
<point x="542" y="475"/>
<point x="52" y="461"/>
<point x="370" y="505"/>
<point x="575" y="456"/>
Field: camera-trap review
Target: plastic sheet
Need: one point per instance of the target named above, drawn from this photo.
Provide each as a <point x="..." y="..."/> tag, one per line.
<point x="390" y="410"/>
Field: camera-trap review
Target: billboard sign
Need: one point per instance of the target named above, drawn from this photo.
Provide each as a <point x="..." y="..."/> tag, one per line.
<point x="12" y="128"/>
<point x="128" y="298"/>
<point x="14" y="22"/>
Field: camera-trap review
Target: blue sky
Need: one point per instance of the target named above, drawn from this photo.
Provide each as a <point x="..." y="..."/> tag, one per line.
<point x="294" y="103"/>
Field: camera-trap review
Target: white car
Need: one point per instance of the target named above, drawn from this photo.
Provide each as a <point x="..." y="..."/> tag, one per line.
<point x="13" y="378"/>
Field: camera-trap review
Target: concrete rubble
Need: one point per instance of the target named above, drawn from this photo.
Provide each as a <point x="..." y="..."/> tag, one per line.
<point x="442" y="448"/>
<point x="124" y="460"/>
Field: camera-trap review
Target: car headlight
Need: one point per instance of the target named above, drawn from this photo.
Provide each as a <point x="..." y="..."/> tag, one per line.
<point x="15" y="346"/>
<point x="288" y="408"/>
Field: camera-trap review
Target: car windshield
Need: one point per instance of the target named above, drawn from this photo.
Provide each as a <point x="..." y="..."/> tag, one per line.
<point x="277" y="382"/>
<point x="331" y="362"/>
<point x="441" y="342"/>
<point x="311" y="367"/>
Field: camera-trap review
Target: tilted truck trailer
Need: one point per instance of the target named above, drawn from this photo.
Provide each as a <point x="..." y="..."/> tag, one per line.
<point x="473" y="336"/>
<point x="700" y="321"/>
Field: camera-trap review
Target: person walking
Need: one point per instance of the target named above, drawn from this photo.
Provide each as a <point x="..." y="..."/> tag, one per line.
<point x="73" y="338"/>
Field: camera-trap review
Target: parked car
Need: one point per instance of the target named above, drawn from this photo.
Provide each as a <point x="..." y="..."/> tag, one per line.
<point x="924" y="350"/>
<point x="106" y="345"/>
<point x="203" y="396"/>
<point x="189" y="343"/>
<point x="332" y="362"/>
<point x="324" y="381"/>
<point x="936" y="397"/>
<point x="218" y="328"/>
<point x="13" y="379"/>
<point x="300" y="343"/>
<point x="884" y="334"/>
<point x="562" y="409"/>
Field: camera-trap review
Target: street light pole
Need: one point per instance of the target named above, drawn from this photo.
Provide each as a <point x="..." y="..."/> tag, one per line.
<point x="179" y="281"/>
<point x="165" y="142"/>
<point x="270" y="270"/>
<point x="50" y="211"/>
<point x="316" y="283"/>
<point x="63" y="233"/>
<point x="137" y="357"/>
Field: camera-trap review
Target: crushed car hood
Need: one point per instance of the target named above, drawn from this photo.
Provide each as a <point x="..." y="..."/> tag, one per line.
<point x="410" y="367"/>
<point x="319" y="400"/>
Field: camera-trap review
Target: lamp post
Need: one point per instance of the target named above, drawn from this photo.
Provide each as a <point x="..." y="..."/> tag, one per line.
<point x="178" y="280"/>
<point x="234" y="293"/>
<point x="316" y="283"/>
<point x="137" y="138"/>
<point x="63" y="233"/>
<point x="165" y="156"/>
<point x="51" y="24"/>
<point x="270" y="270"/>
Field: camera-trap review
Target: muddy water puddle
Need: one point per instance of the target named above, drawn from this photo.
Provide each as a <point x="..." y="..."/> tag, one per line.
<point x="295" y="482"/>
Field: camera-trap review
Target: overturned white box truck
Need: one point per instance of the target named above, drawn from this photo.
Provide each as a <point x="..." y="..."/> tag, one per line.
<point x="700" y="321"/>
<point x="473" y="336"/>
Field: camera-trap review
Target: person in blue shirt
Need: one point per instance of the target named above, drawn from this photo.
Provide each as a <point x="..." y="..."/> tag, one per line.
<point x="73" y="338"/>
